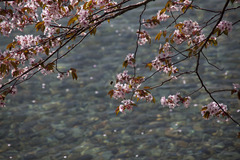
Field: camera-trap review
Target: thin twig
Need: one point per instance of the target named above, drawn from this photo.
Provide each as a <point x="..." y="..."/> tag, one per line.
<point x="221" y="69"/>
<point x="138" y="35"/>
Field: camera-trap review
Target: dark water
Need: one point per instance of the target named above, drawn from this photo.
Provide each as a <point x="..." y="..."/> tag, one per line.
<point x="75" y="119"/>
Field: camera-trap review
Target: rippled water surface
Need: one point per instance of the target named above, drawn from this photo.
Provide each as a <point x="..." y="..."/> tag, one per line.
<point x="75" y="119"/>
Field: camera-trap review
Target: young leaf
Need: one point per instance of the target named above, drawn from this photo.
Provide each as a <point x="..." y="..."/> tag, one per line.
<point x="15" y="65"/>
<point x="216" y="30"/>
<point x="110" y="93"/>
<point x="72" y="20"/>
<point x="158" y="36"/>
<point x="93" y="31"/>
<point x="147" y="87"/>
<point x="40" y="25"/>
<point x="117" y="110"/>
<point x="11" y="45"/>
<point x="204" y="108"/>
<point x="160" y="50"/>
<point x="225" y="32"/>
<point x="164" y="33"/>
<point x="149" y="65"/>
<point x="162" y="11"/>
<point x="49" y="66"/>
<point x="125" y="64"/>
<point x="154" y="100"/>
<point x="206" y="115"/>
<point x="46" y="49"/>
<point x="74" y="74"/>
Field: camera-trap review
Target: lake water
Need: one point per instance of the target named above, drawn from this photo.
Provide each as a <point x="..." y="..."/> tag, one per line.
<point x="75" y="120"/>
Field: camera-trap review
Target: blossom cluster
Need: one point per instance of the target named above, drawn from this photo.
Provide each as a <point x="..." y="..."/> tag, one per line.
<point x="225" y="26"/>
<point x="27" y="41"/>
<point x="10" y="18"/>
<point x="144" y="37"/>
<point x="143" y="95"/>
<point x="126" y="84"/>
<point x="174" y="101"/>
<point x="152" y="23"/>
<point x="51" y="12"/>
<point x="187" y="30"/>
<point x="129" y="60"/>
<point x="83" y="17"/>
<point x="62" y="75"/>
<point x="126" y="104"/>
<point x="178" y="5"/>
<point x="162" y="62"/>
<point x="212" y="109"/>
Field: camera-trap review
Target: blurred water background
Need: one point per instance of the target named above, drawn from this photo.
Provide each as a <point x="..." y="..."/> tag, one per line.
<point x="75" y="120"/>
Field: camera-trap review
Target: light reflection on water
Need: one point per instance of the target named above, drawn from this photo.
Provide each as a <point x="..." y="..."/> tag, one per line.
<point x="76" y="120"/>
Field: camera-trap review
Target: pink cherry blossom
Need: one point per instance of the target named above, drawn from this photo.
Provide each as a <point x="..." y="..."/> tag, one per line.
<point x="130" y="60"/>
<point x="225" y="26"/>
<point x="212" y="109"/>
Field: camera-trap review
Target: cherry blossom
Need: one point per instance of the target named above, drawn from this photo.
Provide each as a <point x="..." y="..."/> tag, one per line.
<point x="225" y="26"/>
<point x="29" y="54"/>
<point x="174" y="101"/>
<point x="236" y="86"/>
<point x="126" y="104"/>
<point x="212" y="109"/>
<point x="144" y="37"/>
<point x="129" y="60"/>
